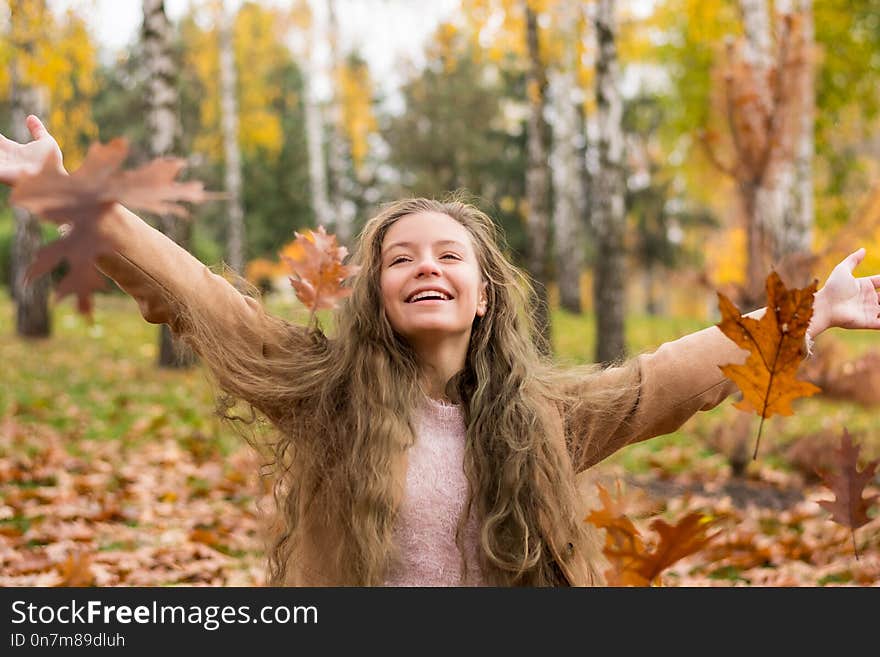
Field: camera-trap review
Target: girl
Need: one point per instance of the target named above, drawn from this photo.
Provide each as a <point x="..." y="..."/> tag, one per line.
<point x="427" y="442"/>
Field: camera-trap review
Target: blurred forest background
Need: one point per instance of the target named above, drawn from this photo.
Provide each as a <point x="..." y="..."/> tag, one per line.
<point x="640" y="156"/>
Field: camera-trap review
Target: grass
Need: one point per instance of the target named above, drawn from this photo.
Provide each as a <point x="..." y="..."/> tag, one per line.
<point x="98" y="381"/>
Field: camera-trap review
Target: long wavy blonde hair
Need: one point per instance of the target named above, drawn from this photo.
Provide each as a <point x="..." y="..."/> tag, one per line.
<point x="343" y="409"/>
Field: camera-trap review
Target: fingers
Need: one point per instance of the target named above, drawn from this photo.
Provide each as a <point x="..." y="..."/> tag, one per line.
<point x="853" y="259"/>
<point x="36" y="127"/>
<point x="875" y="280"/>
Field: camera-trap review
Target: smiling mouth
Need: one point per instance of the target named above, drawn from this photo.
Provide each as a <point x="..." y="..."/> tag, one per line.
<point x="429" y="297"/>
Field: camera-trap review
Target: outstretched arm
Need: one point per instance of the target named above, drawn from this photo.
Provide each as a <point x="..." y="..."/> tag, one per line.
<point x="165" y="280"/>
<point x="236" y="338"/>
<point x="663" y="389"/>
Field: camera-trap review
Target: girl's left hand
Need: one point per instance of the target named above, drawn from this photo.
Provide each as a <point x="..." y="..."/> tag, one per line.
<point x="846" y="301"/>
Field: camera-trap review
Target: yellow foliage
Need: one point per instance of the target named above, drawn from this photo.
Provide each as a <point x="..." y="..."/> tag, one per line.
<point x="726" y="256"/>
<point x="356" y="98"/>
<point x="261" y="269"/>
<point x="258" y="40"/>
<point x="58" y="57"/>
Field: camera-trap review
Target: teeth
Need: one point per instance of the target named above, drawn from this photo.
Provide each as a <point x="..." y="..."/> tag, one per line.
<point x="429" y="293"/>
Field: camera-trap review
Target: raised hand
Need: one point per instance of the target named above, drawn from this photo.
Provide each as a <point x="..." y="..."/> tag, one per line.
<point x="17" y="160"/>
<point x="846" y="301"/>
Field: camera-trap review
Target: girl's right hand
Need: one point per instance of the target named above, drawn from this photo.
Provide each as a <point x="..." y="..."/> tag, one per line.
<point x="17" y="160"/>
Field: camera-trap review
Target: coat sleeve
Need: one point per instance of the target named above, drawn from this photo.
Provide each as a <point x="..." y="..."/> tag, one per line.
<point x="169" y="283"/>
<point x="656" y="393"/>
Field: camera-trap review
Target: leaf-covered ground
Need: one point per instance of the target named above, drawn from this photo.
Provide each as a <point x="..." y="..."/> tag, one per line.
<point x="115" y="473"/>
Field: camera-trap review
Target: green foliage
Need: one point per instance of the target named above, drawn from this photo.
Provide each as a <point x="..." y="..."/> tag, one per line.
<point x="461" y="130"/>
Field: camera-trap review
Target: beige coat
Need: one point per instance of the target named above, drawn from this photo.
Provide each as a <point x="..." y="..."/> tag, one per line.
<point x="677" y="380"/>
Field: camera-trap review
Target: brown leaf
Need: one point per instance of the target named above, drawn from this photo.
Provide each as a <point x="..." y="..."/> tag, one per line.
<point x="677" y="541"/>
<point x="849" y="508"/>
<point x="99" y="182"/>
<point x="768" y="379"/>
<point x="81" y="199"/>
<point x="622" y="539"/>
<point x="318" y="272"/>
<point x="77" y="571"/>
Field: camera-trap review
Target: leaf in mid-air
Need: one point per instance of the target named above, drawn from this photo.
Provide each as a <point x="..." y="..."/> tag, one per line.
<point x="849" y="508"/>
<point x="318" y="273"/>
<point x="687" y="536"/>
<point x="80" y="200"/>
<point x="622" y="539"/>
<point x="775" y="342"/>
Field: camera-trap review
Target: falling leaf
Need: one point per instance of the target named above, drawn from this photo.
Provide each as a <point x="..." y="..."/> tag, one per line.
<point x="79" y="201"/>
<point x="318" y="273"/>
<point x="768" y="379"/>
<point x="621" y="537"/>
<point x="77" y="571"/>
<point x="849" y="508"/>
<point x="676" y="542"/>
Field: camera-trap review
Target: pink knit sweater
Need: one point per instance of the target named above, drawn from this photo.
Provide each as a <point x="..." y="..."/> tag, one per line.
<point x="436" y="493"/>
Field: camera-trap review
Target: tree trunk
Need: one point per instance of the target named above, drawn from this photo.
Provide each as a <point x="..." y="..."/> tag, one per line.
<point x="315" y="134"/>
<point x="782" y="208"/>
<point x="797" y="224"/>
<point x="32" y="317"/>
<point x="341" y="205"/>
<point x="164" y="128"/>
<point x="609" y="291"/>
<point x="537" y="184"/>
<point x="229" y="111"/>
<point x="568" y="139"/>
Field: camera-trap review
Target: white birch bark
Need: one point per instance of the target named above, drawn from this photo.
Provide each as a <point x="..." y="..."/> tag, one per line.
<point x="537" y="182"/>
<point x="342" y="207"/>
<point x="609" y="292"/>
<point x="566" y="170"/>
<point x="164" y="127"/>
<point x="799" y="218"/>
<point x="232" y="154"/>
<point x="32" y="316"/>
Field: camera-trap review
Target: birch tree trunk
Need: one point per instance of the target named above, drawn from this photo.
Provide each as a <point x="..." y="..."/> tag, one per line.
<point x="314" y="126"/>
<point x="229" y="111"/>
<point x="568" y="137"/>
<point x="796" y="235"/>
<point x="338" y="153"/>
<point x="164" y="128"/>
<point x="609" y="291"/>
<point x="537" y="183"/>
<point x="32" y="317"/>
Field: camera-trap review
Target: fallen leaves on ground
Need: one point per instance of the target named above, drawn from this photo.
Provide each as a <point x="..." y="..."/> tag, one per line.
<point x="116" y="515"/>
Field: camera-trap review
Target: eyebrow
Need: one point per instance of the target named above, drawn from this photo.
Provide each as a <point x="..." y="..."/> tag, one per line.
<point x="437" y="243"/>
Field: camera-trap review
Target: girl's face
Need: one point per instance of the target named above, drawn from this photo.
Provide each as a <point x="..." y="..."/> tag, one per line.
<point x="431" y="282"/>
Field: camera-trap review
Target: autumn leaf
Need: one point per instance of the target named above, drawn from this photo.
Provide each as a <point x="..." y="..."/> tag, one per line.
<point x="622" y="539"/>
<point x="78" y="202"/>
<point x="318" y="272"/>
<point x="687" y="536"/>
<point x="849" y="508"/>
<point x="99" y="182"/>
<point x="76" y="571"/>
<point x="768" y="379"/>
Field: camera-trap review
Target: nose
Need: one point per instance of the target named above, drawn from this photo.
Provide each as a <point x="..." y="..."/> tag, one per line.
<point x="427" y="267"/>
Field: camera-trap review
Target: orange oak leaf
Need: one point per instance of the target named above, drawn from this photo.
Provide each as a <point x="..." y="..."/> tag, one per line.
<point x="687" y="536"/>
<point x="849" y="508"/>
<point x="79" y="201"/>
<point x="776" y="345"/>
<point x="76" y="571"/>
<point x="622" y="539"/>
<point x="315" y="259"/>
